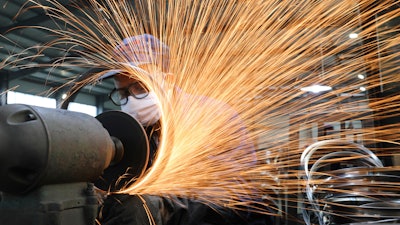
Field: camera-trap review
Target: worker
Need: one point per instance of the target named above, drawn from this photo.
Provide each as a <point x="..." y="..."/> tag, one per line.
<point x="147" y="53"/>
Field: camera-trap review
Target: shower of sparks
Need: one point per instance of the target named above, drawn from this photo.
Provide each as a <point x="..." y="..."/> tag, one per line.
<point x="252" y="58"/>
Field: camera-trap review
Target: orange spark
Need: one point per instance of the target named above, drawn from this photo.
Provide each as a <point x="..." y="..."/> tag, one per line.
<point x="252" y="58"/>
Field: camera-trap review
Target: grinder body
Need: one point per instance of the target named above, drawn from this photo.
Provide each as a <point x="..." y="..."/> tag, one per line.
<point x="50" y="160"/>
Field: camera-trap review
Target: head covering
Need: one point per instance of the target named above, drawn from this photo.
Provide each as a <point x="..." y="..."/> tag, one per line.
<point x="141" y="49"/>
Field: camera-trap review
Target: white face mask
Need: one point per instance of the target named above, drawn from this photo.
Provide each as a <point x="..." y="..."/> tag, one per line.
<point x="145" y="110"/>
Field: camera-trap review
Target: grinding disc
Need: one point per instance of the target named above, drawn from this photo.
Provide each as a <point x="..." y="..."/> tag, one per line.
<point x="136" y="150"/>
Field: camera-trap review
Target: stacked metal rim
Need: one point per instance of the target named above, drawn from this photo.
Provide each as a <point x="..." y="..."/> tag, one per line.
<point x="374" y="223"/>
<point x="367" y="196"/>
<point x="347" y="184"/>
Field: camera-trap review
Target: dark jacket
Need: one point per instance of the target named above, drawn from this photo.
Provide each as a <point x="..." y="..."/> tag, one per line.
<point x="123" y="209"/>
<point x="134" y="210"/>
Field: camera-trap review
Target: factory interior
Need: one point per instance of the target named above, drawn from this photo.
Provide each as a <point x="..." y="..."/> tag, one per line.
<point x="46" y="88"/>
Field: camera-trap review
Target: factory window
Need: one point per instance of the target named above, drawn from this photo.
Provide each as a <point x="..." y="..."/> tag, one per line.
<point x="21" y="98"/>
<point x="83" y="108"/>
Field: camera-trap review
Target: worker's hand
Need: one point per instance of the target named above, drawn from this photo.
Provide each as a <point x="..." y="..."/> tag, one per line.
<point x="124" y="209"/>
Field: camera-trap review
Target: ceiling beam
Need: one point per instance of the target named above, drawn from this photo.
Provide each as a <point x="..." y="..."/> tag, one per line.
<point x="36" y="20"/>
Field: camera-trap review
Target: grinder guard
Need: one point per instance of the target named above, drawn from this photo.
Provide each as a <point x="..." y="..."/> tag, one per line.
<point x="46" y="146"/>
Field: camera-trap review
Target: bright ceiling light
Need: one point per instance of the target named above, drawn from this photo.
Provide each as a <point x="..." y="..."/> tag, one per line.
<point x="362" y="89"/>
<point x="64" y="96"/>
<point x="316" y="88"/>
<point x="361" y="76"/>
<point x="353" y="35"/>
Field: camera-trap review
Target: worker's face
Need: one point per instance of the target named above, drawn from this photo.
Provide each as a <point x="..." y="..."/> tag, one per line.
<point x="136" y="100"/>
